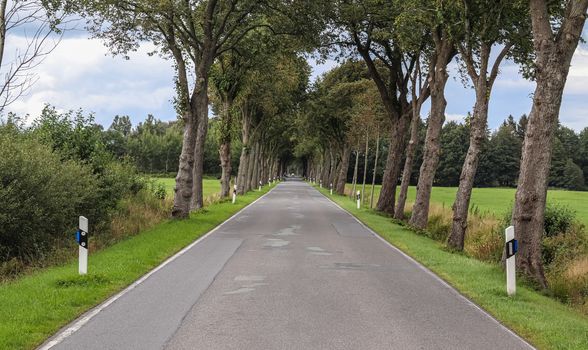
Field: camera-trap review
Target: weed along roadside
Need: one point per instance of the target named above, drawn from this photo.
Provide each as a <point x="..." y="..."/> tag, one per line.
<point x="543" y="321"/>
<point x="34" y="307"/>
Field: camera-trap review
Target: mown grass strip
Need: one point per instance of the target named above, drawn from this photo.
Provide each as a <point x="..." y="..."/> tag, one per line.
<point x="36" y="306"/>
<point x="544" y="322"/>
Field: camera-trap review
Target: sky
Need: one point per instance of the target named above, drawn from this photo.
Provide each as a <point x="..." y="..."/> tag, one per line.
<point x="80" y="73"/>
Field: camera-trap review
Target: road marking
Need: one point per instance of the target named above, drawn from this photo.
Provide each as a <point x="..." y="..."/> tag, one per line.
<point x="432" y="274"/>
<point x="80" y="322"/>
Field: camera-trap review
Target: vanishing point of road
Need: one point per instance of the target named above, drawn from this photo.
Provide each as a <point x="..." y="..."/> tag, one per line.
<point x="291" y="271"/>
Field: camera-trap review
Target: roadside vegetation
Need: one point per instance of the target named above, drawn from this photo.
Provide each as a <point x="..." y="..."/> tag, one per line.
<point x="35" y="306"/>
<point x="360" y="122"/>
<point x="545" y="322"/>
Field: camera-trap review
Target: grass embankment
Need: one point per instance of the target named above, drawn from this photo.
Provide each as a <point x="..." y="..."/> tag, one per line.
<point x="34" y="307"/>
<point x="545" y="322"/>
<point x="495" y="201"/>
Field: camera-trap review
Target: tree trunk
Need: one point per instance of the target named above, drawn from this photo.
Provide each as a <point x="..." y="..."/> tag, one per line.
<point x="244" y="159"/>
<point x="197" y="192"/>
<point x="343" y="167"/>
<point x="185" y="177"/>
<point x="355" y="170"/>
<point x="437" y="80"/>
<point x="554" y="54"/>
<point x="387" y="197"/>
<point x="375" y="171"/>
<point x="468" y="173"/>
<point x="408" y="163"/>
<point x="254" y="173"/>
<point x="225" y="149"/>
<point x="365" y="164"/>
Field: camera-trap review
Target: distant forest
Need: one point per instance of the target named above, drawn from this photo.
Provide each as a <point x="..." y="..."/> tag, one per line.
<point x="154" y="147"/>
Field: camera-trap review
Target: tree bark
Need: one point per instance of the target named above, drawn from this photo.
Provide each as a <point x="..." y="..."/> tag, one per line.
<point x="185" y="176"/>
<point x="355" y="170"/>
<point x="197" y="192"/>
<point x="483" y="86"/>
<point x="365" y="164"/>
<point x="437" y="79"/>
<point x="554" y="54"/>
<point x="225" y="149"/>
<point x="375" y="170"/>
<point x="343" y="168"/>
<point x="468" y="173"/>
<point x="408" y="164"/>
<point x="387" y="197"/>
<point x="244" y="159"/>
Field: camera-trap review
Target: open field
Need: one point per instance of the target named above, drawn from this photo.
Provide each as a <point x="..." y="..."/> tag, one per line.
<point x="545" y="322"/>
<point x="211" y="186"/>
<point x="497" y="201"/>
<point x="34" y="307"/>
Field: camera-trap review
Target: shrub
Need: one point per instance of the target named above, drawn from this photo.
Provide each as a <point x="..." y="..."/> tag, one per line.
<point x="41" y="197"/>
<point x="558" y="219"/>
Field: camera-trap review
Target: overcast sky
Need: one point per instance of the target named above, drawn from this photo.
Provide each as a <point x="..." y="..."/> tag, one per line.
<point x="81" y="74"/>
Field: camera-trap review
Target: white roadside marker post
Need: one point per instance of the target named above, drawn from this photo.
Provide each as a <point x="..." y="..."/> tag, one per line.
<point x="321" y="183"/>
<point x="331" y="189"/>
<point x="82" y="238"/>
<point x="234" y="193"/>
<point x="260" y="185"/>
<point x="512" y="247"/>
<point x="358" y="199"/>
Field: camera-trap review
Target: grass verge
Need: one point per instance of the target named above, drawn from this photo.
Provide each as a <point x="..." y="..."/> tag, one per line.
<point x="543" y="321"/>
<point x="34" y="307"/>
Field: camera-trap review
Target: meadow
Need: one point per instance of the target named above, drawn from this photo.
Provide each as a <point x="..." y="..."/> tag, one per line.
<point x="211" y="187"/>
<point x="496" y="201"/>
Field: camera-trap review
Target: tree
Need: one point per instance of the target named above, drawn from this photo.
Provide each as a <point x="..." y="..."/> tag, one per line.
<point x="432" y="19"/>
<point x="555" y="38"/>
<point x="486" y="24"/>
<point x="193" y="34"/>
<point x="42" y="25"/>
<point x="368" y="28"/>
<point x="417" y="84"/>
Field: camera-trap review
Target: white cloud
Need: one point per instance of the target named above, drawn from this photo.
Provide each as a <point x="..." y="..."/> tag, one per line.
<point x="454" y="117"/>
<point x="81" y="74"/>
<point x="578" y="76"/>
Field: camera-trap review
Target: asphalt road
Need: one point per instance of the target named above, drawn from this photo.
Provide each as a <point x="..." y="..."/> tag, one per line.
<point x="292" y="271"/>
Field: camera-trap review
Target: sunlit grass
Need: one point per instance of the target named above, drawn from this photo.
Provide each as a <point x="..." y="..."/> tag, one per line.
<point x="545" y="322"/>
<point x="34" y="307"/>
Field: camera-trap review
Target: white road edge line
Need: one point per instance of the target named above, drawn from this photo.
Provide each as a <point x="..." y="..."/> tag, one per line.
<point x="75" y="325"/>
<point x="431" y="273"/>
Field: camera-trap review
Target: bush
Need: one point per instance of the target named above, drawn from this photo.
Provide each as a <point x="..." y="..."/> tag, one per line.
<point x="558" y="219"/>
<point x="41" y="197"/>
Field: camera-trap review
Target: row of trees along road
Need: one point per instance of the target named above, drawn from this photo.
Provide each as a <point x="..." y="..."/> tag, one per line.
<point x="196" y="36"/>
<point x="406" y="47"/>
<point x="250" y="49"/>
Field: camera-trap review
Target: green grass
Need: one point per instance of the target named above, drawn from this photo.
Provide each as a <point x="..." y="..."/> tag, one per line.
<point x="34" y="307"/>
<point x="543" y="321"/>
<point x="210" y="186"/>
<point x="498" y="200"/>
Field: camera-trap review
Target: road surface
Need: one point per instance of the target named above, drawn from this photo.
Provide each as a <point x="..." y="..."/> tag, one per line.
<point x="291" y="271"/>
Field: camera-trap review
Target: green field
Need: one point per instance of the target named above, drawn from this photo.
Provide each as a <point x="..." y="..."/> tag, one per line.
<point x="34" y="307"/>
<point x="211" y="186"/>
<point x="545" y="322"/>
<point x="499" y="200"/>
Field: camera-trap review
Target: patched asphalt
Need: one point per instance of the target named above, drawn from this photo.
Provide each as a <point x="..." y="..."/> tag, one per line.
<point x="292" y="271"/>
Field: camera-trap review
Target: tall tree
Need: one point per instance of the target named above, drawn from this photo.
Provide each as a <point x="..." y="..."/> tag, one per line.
<point x="435" y="19"/>
<point x="557" y="26"/>
<point x="486" y="24"/>
<point x="193" y="34"/>
<point x="368" y="28"/>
